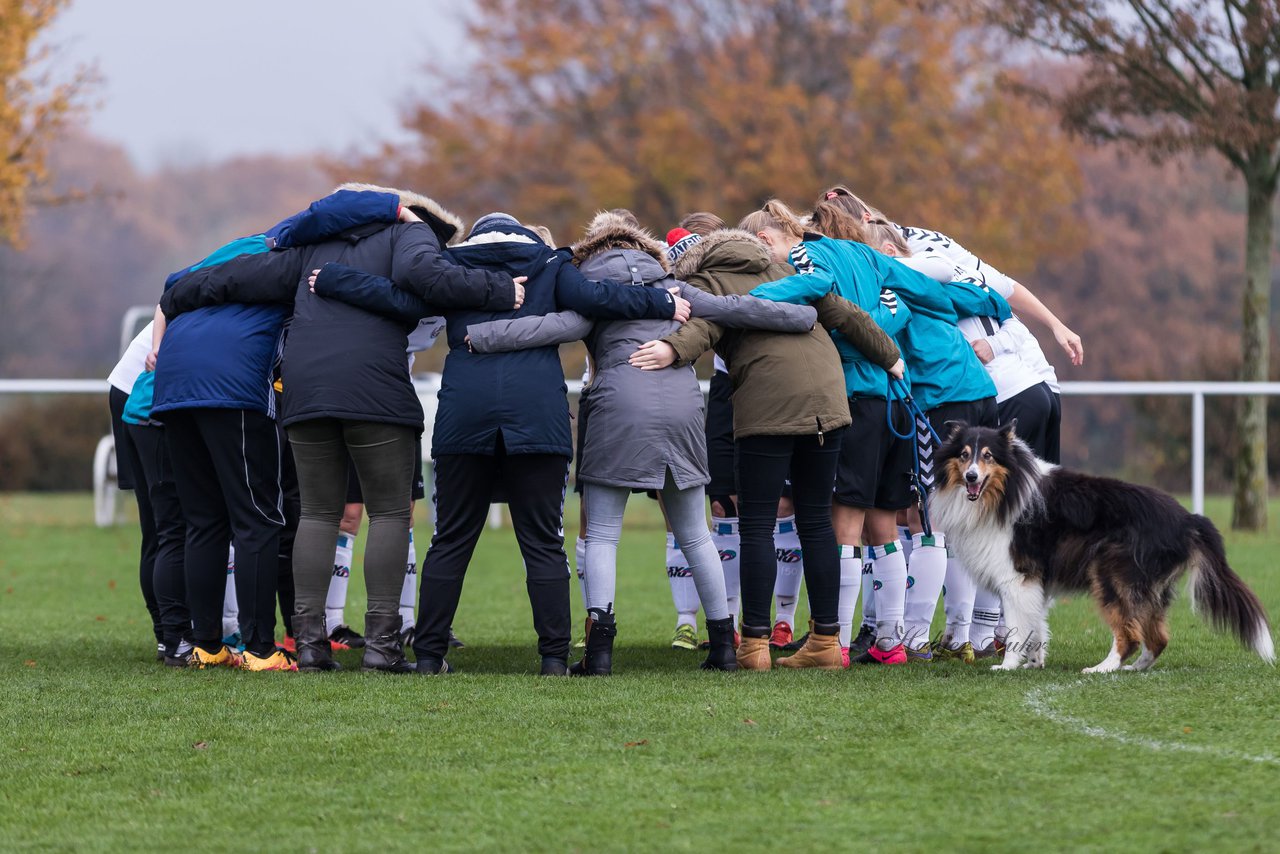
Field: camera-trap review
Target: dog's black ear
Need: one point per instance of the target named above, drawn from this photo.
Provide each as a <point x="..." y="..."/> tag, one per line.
<point x="953" y="428"/>
<point x="1007" y="430"/>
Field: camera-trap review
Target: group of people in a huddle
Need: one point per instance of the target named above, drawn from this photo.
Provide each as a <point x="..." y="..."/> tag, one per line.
<point x="271" y="398"/>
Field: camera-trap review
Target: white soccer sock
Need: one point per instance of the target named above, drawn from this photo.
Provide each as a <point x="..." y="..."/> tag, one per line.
<point x="890" y="575"/>
<point x="868" y="592"/>
<point x="230" y="606"/>
<point x="959" y="593"/>
<point x="684" y="593"/>
<point x="336" y="601"/>
<point x="986" y="616"/>
<point x="904" y="537"/>
<point x="409" y="589"/>
<point x="786" y="590"/>
<point x="724" y="535"/>
<point x="850" y="577"/>
<point x="927" y="570"/>
<point x="580" y="567"/>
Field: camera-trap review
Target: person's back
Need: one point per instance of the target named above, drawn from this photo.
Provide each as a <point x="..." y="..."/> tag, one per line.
<point x="655" y="415"/>
<point x="783" y="383"/>
<point x="341" y="361"/>
<point x="522" y="393"/>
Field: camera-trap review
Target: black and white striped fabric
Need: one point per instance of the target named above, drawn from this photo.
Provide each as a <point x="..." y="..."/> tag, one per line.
<point x="927" y="449"/>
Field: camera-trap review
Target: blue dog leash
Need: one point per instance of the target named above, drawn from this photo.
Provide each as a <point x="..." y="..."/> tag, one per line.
<point x="903" y="392"/>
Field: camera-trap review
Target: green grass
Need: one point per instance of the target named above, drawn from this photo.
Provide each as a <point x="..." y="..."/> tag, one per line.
<point x="103" y="749"/>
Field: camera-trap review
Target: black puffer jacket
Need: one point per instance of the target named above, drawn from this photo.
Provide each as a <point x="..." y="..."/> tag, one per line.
<point x="341" y="361"/>
<point x="518" y="396"/>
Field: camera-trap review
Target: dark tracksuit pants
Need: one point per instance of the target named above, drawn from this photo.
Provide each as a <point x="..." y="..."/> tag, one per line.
<point x="169" y="581"/>
<point x="129" y="476"/>
<point x="763" y="465"/>
<point x="534" y="485"/>
<point x="226" y="463"/>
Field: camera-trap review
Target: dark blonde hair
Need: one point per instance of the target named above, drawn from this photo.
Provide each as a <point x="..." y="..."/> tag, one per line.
<point x="774" y="214"/>
<point x="701" y="222"/>
<point x="880" y="231"/>
<point x="836" y="222"/>
<point x="543" y="232"/>
<point x="844" y="198"/>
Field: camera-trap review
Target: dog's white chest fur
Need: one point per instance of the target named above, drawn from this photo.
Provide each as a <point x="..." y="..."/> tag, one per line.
<point x="981" y="543"/>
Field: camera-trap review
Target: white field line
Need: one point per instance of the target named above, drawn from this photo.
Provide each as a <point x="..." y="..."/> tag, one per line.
<point x="1040" y="702"/>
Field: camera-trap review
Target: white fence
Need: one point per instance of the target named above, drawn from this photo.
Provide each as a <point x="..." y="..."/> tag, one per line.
<point x="1197" y="391"/>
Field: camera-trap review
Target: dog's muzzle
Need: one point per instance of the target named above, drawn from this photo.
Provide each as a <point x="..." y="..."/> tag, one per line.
<point x="972" y="484"/>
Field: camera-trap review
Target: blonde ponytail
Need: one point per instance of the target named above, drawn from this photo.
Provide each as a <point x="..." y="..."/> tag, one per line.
<point x="774" y="214"/>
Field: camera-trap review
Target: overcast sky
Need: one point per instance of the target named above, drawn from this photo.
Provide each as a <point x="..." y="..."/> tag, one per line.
<point x="203" y="81"/>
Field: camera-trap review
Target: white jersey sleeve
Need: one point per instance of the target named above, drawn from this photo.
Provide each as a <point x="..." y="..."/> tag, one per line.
<point x="922" y="240"/>
<point x="133" y="361"/>
<point x="932" y="264"/>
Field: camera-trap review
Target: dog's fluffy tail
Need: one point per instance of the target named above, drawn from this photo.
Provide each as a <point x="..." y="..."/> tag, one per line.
<point x="1222" y="597"/>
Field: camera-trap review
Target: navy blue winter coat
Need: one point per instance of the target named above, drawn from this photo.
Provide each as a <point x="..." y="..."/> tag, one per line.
<point x="521" y="394"/>
<point x="341" y="361"/>
<point x="223" y="357"/>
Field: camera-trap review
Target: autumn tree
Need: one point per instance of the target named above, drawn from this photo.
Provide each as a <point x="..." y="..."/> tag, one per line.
<point x="32" y="106"/>
<point x="1165" y="77"/>
<point x="664" y="108"/>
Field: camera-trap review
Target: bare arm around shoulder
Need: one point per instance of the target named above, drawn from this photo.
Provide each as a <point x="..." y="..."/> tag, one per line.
<point x="525" y="333"/>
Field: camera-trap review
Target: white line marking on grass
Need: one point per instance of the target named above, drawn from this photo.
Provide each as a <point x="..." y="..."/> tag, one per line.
<point x="1040" y="702"/>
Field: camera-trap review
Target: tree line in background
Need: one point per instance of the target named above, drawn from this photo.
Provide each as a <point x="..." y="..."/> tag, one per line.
<point x="717" y="105"/>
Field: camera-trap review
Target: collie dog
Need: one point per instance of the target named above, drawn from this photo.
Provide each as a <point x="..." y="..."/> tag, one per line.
<point x="1029" y="530"/>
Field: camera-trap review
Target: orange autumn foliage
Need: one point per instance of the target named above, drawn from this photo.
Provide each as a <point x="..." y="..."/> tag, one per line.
<point x="666" y="108"/>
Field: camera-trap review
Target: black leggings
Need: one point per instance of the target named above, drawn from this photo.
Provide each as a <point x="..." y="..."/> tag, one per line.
<point x="130" y="476"/>
<point x="155" y="477"/>
<point x="763" y="464"/>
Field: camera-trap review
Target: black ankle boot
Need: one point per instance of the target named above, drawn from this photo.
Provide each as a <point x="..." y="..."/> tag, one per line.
<point x="382" y="648"/>
<point x="723" y="654"/>
<point x="314" y="652"/>
<point x="554" y="665"/>
<point x="598" y="658"/>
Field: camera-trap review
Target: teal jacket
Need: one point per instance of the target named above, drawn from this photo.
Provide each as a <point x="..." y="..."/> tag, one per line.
<point x="920" y="313"/>
<point x="826" y="266"/>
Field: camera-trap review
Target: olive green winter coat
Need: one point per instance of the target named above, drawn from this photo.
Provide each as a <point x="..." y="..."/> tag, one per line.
<point x="783" y="384"/>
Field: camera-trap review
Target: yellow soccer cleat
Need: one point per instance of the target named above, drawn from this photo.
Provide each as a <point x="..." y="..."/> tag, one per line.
<point x="963" y="653"/>
<point x="225" y="657"/>
<point x="686" y="637"/>
<point x="278" y="659"/>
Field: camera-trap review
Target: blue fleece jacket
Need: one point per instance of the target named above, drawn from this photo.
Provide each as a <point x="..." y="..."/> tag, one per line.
<point x="223" y="357"/>
<point x="941" y="365"/>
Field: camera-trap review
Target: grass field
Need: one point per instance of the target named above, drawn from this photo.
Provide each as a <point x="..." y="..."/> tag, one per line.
<point x="104" y="749"/>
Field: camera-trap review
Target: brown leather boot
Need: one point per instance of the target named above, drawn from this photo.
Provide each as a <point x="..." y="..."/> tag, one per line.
<point x="753" y="652"/>
<point x="820" y="651"/>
